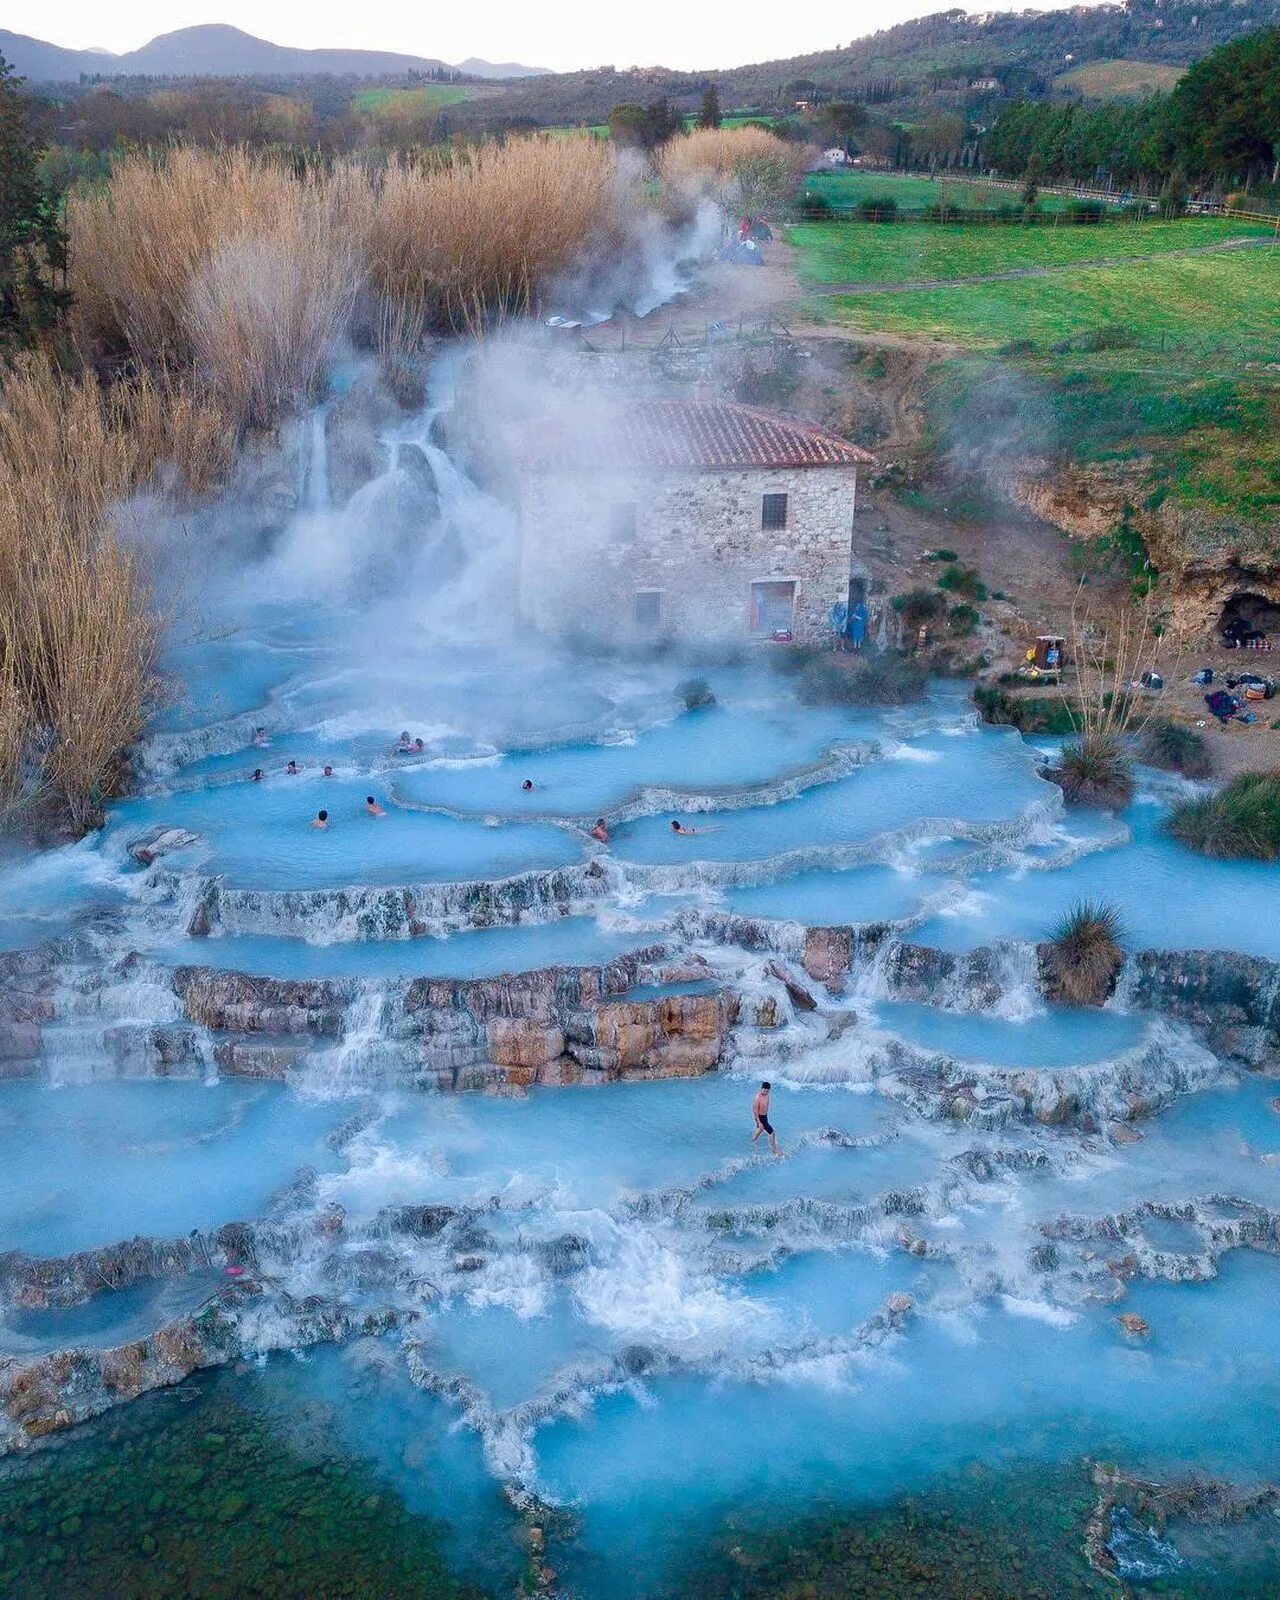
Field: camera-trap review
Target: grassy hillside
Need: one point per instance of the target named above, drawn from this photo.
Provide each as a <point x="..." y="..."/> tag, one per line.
<point x="1119" y="80"/>
<point x="1170" y="365"/>
<point x="914" y="62"/>
<point x="411" y="102"/>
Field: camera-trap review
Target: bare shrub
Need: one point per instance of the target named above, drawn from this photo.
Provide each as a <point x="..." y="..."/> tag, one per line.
<point x="453" y="245"/>
<point x="744" y="169"/>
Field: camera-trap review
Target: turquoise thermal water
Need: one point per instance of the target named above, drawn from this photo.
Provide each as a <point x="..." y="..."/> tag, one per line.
<point x="643" y="1315"/>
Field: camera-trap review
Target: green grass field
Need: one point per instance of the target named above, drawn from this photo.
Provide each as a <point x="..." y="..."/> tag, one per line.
<point x="1119" y="79"/>
<point x="844" y="252"/>
<point x="1232" y="296"/>
<point x="393" y="103"/>
<point x="843" y="190"/>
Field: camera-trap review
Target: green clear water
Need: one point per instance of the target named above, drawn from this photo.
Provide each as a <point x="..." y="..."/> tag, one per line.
<point x="226" y="1487"/>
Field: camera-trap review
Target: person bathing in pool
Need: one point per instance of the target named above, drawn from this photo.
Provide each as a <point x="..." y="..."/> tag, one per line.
<point x="760" y="1110"/>
<point x="600" y="831"/>
<point x="372" y="807"/>
<point x="685" y="833"/>
<point x="320" y="820"/>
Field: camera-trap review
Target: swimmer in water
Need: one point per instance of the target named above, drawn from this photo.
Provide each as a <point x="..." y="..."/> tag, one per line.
<point x="600" y="831"/>
<point x="372" y="807"/>
<point x="260" y="737"/>
<point x="527" y="785"/>
<point x="403" y="744"/>
<point x="257" y="775"/>
<point x="328" y="772"/>
<point x="292" y="768"/>
<point x="678" y="827"/>
<point x="320" y="820"/>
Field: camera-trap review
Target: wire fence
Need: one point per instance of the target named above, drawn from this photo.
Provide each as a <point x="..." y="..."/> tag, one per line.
<point x="1136" y="208"/>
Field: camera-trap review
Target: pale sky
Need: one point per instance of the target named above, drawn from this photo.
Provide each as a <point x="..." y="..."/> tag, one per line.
<point x="561" y="34"/>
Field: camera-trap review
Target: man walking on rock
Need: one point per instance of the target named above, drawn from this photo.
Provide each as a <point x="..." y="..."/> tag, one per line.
<point x="760" y="1107"/>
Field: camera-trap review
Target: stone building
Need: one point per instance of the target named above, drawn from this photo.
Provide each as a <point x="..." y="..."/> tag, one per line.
<point x="684" y="519"/>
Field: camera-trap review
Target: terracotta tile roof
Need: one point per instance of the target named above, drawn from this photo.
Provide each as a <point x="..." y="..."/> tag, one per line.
<point x="696" y="435"/>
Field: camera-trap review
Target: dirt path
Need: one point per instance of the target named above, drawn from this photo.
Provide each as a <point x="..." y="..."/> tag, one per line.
<point x="860" y="288"/>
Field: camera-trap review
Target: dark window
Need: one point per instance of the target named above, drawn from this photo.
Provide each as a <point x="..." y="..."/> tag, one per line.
<point x="622" y="521"/>
<point x="648" y="607"/>
<point x="773" y="512"/>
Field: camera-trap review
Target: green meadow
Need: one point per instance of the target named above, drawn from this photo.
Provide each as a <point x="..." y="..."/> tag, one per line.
<point x="853" y="252"/>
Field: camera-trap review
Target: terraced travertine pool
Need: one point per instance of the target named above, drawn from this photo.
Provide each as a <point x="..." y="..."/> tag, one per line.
<point x="608" y="1302"/>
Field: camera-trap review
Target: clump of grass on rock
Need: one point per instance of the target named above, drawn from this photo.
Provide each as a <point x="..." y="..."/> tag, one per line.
<point x="829" y="678"/>
<point x="696" y="693"/>
<point x="1240" y="822"/>
<point x="1176" y="748"/>
<point x="1084" y="956"/>
<point x="1094" y="770"/>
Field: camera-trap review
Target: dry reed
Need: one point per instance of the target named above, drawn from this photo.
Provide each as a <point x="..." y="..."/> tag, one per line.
<point x="77" y="631"/>
<point x="742" y="169"/>
<point x="224" y="261"/>
<point x="486" y="234"/>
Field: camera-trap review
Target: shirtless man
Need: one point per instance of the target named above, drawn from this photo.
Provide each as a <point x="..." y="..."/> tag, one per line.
<point x="257" y="775"/>
<point x="527" y="785"/>
<point x="760" y="1110"/>
<point x="372" y="807"/>
<point x="600" y="831"/>
<point x="678" y="827"/>
<point x="320" y="820"/>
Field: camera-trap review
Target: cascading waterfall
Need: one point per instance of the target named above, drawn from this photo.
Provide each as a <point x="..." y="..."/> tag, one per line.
<point x="317" y="495"/>
<point x="528" y="1254"/>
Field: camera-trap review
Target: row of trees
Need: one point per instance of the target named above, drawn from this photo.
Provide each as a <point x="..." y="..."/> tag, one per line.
<point x="1220" y="124"/>
<point x="33" y="245"/>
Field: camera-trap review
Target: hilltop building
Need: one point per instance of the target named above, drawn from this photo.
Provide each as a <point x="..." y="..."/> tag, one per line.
<point x="685" y="519"/>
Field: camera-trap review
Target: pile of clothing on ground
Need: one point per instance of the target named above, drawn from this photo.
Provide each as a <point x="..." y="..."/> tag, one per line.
<point x="1231" y="702"/>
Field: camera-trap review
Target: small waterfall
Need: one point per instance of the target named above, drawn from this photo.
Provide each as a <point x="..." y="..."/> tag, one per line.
<point x="112" y="1025"/>
<point x="1126" y="982"/>
<point x="873" y="979"/>
<point x="1016" y="975"/>
<point x="316" y="493"/>
<point x="368" y="1055"/>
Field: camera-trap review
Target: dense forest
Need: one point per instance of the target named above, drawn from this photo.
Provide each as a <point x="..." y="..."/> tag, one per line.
<point x="1219" y="126"/>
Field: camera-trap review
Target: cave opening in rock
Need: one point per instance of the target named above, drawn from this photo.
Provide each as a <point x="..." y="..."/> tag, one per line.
<point x="1248" y="615"/>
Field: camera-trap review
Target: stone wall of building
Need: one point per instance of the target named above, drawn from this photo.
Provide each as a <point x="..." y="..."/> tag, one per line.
<point x="697" y="541"/>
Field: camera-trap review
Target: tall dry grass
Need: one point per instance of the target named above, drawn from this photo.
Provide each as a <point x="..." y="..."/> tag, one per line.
<point x="226" y="262"/>
<point x="742" y="169"/>
<point x="486" y="234"/>
<point x="78" y="632"/>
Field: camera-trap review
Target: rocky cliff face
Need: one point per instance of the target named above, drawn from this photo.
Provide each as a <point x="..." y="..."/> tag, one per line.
<point x="1211" y="555"/>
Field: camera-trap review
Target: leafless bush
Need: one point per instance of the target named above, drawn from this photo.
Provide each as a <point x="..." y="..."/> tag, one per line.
<point x="743" y="169"/>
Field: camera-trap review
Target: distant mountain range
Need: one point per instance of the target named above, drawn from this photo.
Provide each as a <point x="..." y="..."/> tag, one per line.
<point x="217" y="51"/>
